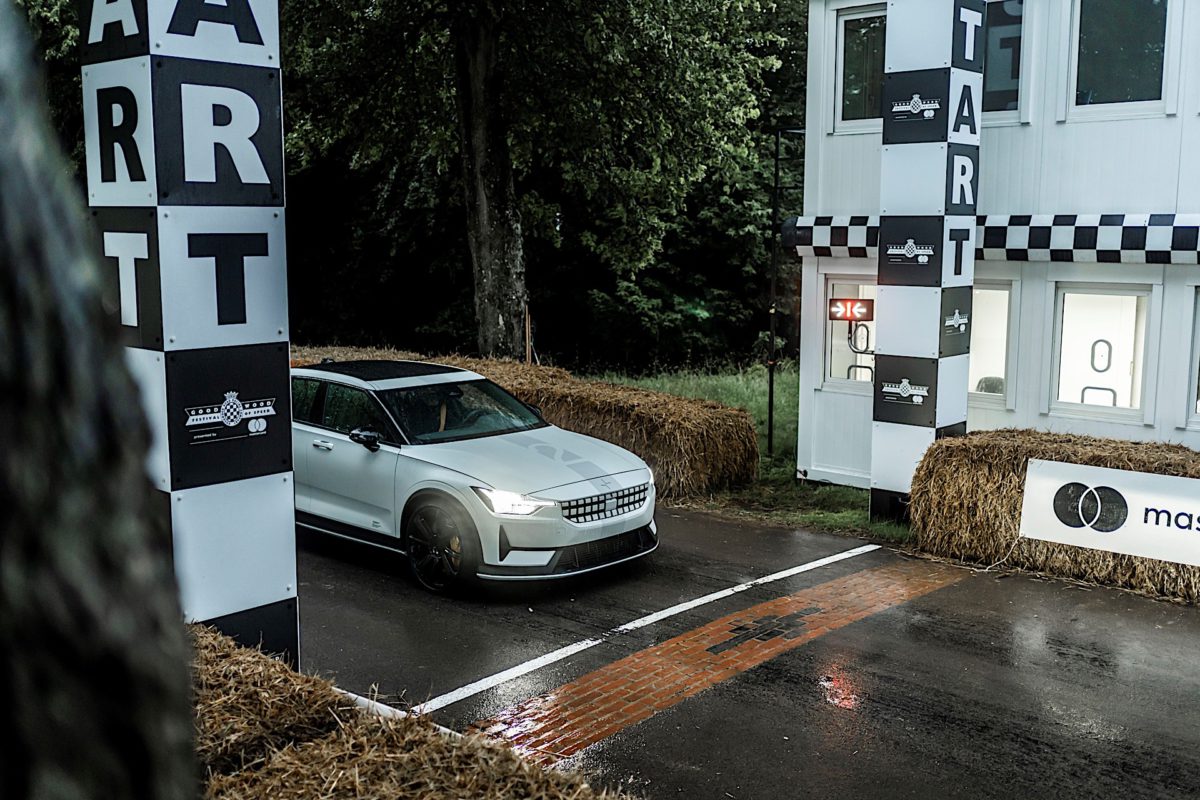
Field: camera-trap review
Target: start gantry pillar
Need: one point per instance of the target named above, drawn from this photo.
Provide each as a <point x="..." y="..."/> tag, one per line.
<point x="929" y="182"/>
<point x="185" y="179"/>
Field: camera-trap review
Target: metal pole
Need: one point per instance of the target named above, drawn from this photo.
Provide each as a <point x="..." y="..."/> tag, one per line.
<point x="771" y="312"/>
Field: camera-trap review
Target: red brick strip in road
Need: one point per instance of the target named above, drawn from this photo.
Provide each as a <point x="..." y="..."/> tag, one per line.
<point x="564" y="721"/>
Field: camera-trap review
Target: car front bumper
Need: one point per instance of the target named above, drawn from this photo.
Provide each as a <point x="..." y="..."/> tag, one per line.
<point x="577" y="559"/>
<point x="547" y="545"/>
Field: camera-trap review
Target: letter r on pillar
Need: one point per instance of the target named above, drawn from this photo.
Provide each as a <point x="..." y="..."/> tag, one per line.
<point x="219" y="118"/>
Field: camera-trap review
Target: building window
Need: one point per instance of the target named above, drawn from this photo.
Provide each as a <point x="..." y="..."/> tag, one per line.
<point x="1002" y="73"/>
<point x="1102" y="347"/>
<point x="989" y="339"/>
<point x="1120" y="54"/>
<point x="850" y="346"/>
<point x="860" y="64"/>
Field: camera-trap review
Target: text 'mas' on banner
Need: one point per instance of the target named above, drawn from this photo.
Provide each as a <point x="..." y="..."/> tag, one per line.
<point x="1119" y="511"/>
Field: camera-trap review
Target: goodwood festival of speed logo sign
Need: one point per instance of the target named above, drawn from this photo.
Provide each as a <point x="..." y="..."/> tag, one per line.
<point x="957" y="323"/>
<point x="1103" y="509"/>
<point x="905" y="392"/>
<point x="220" y="422"/>
<point x="917" y="106"/>
<point x="910" y="250"/>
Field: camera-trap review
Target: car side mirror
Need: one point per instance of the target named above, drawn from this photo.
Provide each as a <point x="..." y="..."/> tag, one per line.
<point x="534" y="409"/>
<point x="367" y="438"/>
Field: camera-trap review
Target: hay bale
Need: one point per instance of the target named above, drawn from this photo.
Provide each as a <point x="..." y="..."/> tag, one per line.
<point x="695" y="447"/>
<point x="396" y="759"/>
<point x="966" y="504"/>
<point x="248" y="705"/>
<point x="265" y="732"/>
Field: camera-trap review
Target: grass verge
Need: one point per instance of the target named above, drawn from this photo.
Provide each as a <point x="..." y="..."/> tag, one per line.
<point x="776" y="497"/>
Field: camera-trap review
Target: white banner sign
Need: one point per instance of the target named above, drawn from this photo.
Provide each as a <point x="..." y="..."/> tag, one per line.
<point x="1136" y="513"/>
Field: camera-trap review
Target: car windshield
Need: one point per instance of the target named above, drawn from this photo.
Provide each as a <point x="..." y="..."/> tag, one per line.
<point x="449" y="412"/>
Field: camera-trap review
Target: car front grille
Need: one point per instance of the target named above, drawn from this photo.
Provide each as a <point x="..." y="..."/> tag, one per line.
<point x="605" y="506"/>
<point x="604" y="551"/>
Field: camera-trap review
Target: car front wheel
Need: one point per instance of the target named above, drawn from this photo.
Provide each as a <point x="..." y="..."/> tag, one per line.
<point x="441" y="546"/>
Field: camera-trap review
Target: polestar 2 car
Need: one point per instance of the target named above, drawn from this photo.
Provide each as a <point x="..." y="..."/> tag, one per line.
<point x="465" y="480"/>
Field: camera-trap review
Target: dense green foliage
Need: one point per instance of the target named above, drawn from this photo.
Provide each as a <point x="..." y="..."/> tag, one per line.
<point x="641" y="137"/>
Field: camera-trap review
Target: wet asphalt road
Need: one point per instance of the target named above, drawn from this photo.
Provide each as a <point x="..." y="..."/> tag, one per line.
<point x="988" y="687"/>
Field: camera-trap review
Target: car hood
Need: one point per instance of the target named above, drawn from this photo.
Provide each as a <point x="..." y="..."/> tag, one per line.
<point x="529" y="461"/>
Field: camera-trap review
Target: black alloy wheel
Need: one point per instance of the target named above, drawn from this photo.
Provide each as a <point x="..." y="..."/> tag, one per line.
<point x="439" y="546"/>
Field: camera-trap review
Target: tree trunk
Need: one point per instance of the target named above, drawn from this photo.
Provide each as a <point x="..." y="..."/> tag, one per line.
<point x="493" y="218"/>
<point x="94" y="696"/>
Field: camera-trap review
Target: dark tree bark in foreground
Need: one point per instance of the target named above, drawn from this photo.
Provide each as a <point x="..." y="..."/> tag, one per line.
<point x="94" y="697"/>
<point x="493" y="218"/>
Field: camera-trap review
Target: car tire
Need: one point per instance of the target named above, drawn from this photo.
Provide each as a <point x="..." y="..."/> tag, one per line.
<point x="441" y="545"/>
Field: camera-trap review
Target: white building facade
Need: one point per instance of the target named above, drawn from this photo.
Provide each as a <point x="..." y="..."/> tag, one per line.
<point x="1083" y="315"/>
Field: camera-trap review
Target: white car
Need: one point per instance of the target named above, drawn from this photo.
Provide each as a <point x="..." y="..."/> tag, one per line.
<point x="467" y="481"/>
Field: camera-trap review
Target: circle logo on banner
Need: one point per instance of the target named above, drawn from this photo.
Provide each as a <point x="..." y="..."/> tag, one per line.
<point x="1102" y="509"/>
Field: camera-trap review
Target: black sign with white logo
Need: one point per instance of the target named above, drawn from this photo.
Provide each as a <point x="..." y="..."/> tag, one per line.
<point x="962" y="179"/>
<point x="218" y="133"/>
<point x="969" y="40"/>
<point x="916" y="106"/>
<point x="112" y="29"/>
<point x="1103" y="509"/>
<point x="955" y="338"/>
<point x="906" y="390"/>
<point x="910" y="251"/>
<point x="230" y="414"/>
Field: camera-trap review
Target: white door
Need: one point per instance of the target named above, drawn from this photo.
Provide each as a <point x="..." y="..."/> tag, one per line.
<point x="347" y="482"/>
<point x="837" y="379"/>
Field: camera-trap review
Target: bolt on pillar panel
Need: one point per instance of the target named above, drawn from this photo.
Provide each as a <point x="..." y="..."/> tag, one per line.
<point x="932" y="90"/>
<point x="184" y="143"/>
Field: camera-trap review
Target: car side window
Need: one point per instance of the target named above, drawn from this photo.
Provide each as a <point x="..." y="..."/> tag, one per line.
<point x="347" y="408"/>
<point x="304" y="392"/>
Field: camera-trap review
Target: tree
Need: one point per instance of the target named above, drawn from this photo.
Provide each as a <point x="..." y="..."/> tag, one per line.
<point x="94" y="695"/>
<point x="637" y="136"/>
<point x="574" y="124"/>
<point x="703" y="298"/>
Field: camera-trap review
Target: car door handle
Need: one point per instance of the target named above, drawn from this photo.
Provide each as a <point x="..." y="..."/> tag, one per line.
<point x="321" y="444"/>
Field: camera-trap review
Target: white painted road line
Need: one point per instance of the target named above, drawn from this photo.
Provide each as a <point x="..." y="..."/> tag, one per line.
<point x="492" y="681"/>
<point x="387" y="712"/>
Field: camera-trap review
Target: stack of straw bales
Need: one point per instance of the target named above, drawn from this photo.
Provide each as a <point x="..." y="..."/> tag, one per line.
<point x="966" y="504"/>
<point x="265" y="732"/>
<point x="248" y="705"/>
<point x="695" y="447"/>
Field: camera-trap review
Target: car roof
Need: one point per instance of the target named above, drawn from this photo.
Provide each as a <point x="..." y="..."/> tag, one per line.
<point x="380" y="374"/>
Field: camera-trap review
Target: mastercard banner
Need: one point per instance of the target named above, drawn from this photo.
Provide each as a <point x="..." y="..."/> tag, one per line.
<point x="1135" y="513"/>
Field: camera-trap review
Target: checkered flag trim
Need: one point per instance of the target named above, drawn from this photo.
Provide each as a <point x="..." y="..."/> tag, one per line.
<point x="838" y="237"/>
<point x="1087" y="238"/>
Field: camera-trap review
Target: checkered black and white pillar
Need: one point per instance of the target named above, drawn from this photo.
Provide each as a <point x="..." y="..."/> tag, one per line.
<point x="932" y="90"/>
<point x="184" y="142"/>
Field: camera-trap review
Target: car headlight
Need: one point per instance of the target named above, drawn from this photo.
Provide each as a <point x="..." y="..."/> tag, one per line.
<point x="502" y="502"/>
